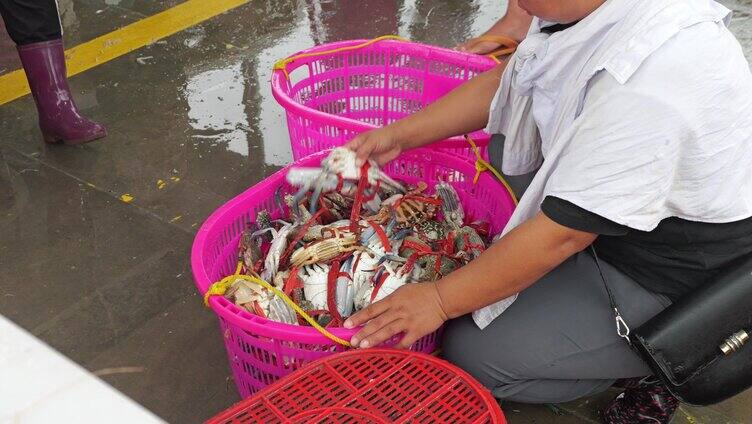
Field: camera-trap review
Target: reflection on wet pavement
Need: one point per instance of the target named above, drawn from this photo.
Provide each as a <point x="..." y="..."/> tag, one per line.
<point x="216" y="110"/>
<point x="272" y="123"/>
<point x="318" y="22"/>
<point x="192" y="122"/>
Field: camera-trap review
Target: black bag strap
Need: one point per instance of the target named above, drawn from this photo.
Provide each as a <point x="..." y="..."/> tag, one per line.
<point x="622" y="329"/>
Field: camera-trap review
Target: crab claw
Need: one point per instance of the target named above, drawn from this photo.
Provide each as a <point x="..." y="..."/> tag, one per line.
<point x="345" y="290"/>
<point x="314" y="278"/>
<point x="389" y="184"/>
<point x="299" y="177"/>
<point x="281" y="312"/>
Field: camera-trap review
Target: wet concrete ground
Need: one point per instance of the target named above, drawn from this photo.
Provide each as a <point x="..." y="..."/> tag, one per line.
<point x="191" y="123"/>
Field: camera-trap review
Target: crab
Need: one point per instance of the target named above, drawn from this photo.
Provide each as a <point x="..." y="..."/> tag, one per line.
<point x="280" y="278"/>
<point x="258" y="300"/>
<point x="318" y="232"/>
<point x="408" y="210"/>
<point x="276" y="250"/>
<point x="317" y="281"/>
<point x="295" y="205"/>
<point x="434" y="267"/>
<point x="432" y="230"/>
<point x="426" y="263"/>
<point x="264" y="221"/>
<point x="336" y="205"/>
<point x="468" y="243"/>
<point x="339" y="170"/>
<point x="325" y="250"/>
<point x="314" y="279"/>
<point x="383" y="283"/>
<point x="249" y="248"/>
<point x="451" y="206"/>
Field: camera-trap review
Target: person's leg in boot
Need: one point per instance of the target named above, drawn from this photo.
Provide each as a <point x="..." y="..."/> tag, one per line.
<point x="35" y="28"/>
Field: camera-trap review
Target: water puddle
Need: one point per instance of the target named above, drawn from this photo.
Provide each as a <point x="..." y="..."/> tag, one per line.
<point x="216" y="108"/>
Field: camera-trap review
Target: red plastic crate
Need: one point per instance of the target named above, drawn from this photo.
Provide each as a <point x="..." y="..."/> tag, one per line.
<point x="370" y="386"/>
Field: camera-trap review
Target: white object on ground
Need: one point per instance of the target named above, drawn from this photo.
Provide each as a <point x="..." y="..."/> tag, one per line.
<point x="40" y="385"/>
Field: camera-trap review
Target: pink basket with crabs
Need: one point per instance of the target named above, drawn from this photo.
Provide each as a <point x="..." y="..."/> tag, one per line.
<point x="333" y="92"/>
<point x="260" y="350"/>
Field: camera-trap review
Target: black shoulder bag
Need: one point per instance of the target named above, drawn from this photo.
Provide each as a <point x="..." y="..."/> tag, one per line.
<point x="700" y="346"/>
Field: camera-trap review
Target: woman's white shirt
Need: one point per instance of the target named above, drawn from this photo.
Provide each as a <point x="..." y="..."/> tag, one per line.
<point x="640" y="112"/>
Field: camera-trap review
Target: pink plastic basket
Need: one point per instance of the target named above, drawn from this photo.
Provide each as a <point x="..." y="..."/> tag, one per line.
<point x="261" y="351"/>
<point x="332" y="97"/>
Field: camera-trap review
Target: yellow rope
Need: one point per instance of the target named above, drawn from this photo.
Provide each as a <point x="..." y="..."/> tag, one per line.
<point x="282" y="63"/>
<point x="482" y="165"/>
<point x="220" y="287"/>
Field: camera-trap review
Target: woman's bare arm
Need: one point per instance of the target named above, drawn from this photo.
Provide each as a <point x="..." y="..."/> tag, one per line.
<point x="464" y="109"/>
<point x="511" y="265"/>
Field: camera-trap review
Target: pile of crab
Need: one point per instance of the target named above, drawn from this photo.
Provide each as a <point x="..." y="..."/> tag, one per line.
<point x="352" y="236"/>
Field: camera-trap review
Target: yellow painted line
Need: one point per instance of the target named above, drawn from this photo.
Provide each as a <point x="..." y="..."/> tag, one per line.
<point x="124" y="40"/>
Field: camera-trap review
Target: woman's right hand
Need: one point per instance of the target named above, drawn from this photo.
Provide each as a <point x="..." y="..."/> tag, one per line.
<point x="381" y="145"/>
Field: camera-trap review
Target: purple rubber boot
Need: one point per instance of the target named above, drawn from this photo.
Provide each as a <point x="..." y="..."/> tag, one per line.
<point x="645" y="401"/>
<point x="59" y="119"/>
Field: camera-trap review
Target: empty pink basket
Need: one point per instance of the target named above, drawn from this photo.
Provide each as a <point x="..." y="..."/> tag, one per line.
<point x="261" y="351"/>
<point x="335" y="91"/>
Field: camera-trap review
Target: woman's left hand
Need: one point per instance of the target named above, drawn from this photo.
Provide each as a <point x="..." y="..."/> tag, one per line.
<point x="414" y="309"/>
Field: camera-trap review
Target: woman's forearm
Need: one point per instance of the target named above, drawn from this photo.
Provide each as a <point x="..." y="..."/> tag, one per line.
<point x="511" y="265"/>
<point x="463" y="110"/>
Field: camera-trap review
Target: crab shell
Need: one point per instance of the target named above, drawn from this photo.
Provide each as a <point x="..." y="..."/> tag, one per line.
<point x="245" y="294"/>
<point x="324" y="250"/>
<point x="338" y="205"/>
<point x="305" y="177"/>
<point x="340" y="162"/>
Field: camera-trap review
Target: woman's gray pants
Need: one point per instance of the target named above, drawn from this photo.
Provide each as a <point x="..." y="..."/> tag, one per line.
<point x="558" y="341"/>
